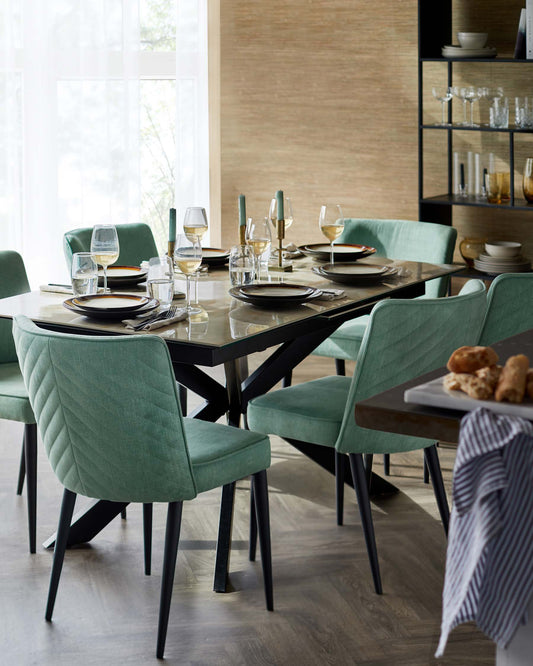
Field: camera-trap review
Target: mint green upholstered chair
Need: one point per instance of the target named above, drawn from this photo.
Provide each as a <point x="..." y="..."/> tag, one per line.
<point x="14" y="401"/>
<point x="403" y="339"/>
<point x="136" y="243"/>
<point x="109" y="415"/>
<point x="509" y="307"/>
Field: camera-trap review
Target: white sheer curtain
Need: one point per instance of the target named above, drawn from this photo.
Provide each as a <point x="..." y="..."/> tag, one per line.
<point x="70" y="120"/>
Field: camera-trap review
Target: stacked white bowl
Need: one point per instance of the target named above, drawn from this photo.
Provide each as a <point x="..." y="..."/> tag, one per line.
<point x="502" y="257"/>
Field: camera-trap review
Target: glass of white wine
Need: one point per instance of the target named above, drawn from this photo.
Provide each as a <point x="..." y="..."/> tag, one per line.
<point x="188" y="257"/>
<point x="331" y="223"/>
<point x="273" y="212"/>
<point x="195" y="223"/>
<point x="105" y="247"/>
<point x="259" y="238"/>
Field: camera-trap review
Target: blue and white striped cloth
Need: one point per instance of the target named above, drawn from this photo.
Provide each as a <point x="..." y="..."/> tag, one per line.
<point x="489" y="562"/>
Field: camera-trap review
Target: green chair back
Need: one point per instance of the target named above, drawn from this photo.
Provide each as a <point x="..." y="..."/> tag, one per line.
<point x="406" y="338"/>
<point x="406" y="239"/>
<point x="13" y="281"/>
<point x="136" y="243"/>
<point x="509" y="307"/>
<point x="108" y="412"/>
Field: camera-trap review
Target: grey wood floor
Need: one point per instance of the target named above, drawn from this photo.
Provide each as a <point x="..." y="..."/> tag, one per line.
<point x="326" y="611"/>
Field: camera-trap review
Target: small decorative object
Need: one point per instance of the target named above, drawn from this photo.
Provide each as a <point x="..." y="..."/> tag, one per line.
<point x="471" y="248"/>
<point x="528" y="180"/>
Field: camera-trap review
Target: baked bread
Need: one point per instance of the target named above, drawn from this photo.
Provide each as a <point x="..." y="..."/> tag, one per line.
<point x="470" y="359"/>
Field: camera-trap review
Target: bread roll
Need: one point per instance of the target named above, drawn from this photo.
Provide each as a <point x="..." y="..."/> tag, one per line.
<point x="470" y="359"/>
<point x="512" y="383"/>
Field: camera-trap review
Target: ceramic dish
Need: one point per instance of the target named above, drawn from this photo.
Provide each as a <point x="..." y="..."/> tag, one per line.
<point x="355" y="273"/>
<point x="110" y="302"/>
<point x="275" y="295"/>
<point x="493" y="268"/>
<point x="111" y="315"/>
<point x="341" y="251"/>
<point x="122" y="275"/>
<point x="503" y="249"/>
<point x="214" y="256"/>
<point x="455" y="51"/>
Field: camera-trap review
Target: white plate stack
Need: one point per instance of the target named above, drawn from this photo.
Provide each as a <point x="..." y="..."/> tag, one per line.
<point x="502" y="257"/>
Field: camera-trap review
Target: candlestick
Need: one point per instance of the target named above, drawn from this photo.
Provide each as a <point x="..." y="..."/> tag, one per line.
<point x="171" y="232"/>
<point x="279" y="200"/>
<point x="242" y="210"/>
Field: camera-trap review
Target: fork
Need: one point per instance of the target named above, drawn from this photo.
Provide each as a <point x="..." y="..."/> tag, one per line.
<point x="160" y="316"/>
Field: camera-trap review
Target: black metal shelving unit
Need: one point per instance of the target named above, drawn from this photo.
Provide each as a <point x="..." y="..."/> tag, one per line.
<point x="435" y="30"/>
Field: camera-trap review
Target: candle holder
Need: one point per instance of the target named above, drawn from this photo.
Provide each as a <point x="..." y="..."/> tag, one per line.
<point x="280" y="265"/>
<point x="171" y="248"/>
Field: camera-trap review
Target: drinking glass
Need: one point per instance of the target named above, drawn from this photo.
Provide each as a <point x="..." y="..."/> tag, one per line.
<point x="528" y="180"/>
<point x="105" y="247"/>
<point x="259" y="238"/>
<point x="241" y="265"/>
<point x="331" y="223"/>
<point x="195" y="222"/>
<point x="84" y="274"/>
<point x="460" y="93"/>
<point x="443" y="95"/>
<point x="471" y="95"/>
<point x="160" y="280"/>
<point x="188" y="257"/>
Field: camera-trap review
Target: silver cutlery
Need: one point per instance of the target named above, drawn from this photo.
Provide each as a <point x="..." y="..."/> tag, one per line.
<point x="160" y="316"/>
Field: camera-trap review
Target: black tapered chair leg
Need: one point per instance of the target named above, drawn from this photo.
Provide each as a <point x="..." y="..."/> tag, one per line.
<point x="252" y="545"/>
<point x="431" y="458"/>
<point x="339" y="486"/>
<point x="182" y="393"/>
<point x="148" y="510"/>
<point x="369" y="459"/>
<point x="124" y="514"/>
<point x="172" y="538"/>
<point x="386" y="464"/>
<point x="224" y="537"/>
<point x="260" y="483"/>
<point x="426" y="471"/>
<point x="22" y="468"/>
<point x="363" y="499"/>
<point x="287" y="380"/>
<point x="65" y="517"/>
<point x="340" y="367"/>
<point x="30" y="456"/>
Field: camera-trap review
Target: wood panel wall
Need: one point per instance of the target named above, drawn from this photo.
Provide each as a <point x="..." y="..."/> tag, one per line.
<point x="320" y="99"/>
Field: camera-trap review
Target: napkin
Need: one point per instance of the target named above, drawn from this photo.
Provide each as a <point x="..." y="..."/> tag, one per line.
<point x="179" y="316"/>
<point x="56" y="288"/>
<point x="330" y="295"/>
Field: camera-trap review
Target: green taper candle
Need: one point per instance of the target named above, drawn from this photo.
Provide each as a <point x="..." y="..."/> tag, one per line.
<point x="242" y="211"/>
<point x="172" y="226"/>
<point x="279" y="200"/>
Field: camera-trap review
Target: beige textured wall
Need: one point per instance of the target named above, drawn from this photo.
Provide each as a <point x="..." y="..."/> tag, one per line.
<point x="319" y="98"/>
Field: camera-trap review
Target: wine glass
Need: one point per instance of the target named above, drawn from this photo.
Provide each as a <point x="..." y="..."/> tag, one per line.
<point x="443" y="95"/>
<point x="105" y="247"/>
<point x="471" y="95"/>
<point x="188" y="257"/>
<point x="273" y="214"/>
<point x="259" y="238"/>
<point x="331" y="223"/>
<point x="195" y="222"/>
<point x="460" y="93"/>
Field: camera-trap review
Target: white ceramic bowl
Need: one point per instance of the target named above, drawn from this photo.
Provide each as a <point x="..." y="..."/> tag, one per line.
<point x="472" y="40"/>
<point x="503" y="248"/>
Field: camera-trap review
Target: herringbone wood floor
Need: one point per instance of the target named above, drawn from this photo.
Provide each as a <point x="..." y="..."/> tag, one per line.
<point x="326" y="611"/>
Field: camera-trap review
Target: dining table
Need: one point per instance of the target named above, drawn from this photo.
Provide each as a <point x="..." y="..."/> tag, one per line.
<point x="225" y="332"/>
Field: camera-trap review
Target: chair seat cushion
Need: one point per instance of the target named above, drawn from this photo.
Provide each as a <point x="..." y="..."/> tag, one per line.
<point x="310" y="412"/>
<point x="14" y="401"/>
<point x="221" y="454"/>
<point x="345" y="342"/>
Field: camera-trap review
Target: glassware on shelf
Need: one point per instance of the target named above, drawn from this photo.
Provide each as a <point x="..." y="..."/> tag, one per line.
<point x="498" y="186"/>
<point x="524" y="112"/>
<point x="105" y="247"/>
<point x="188" y="257"/>
<point x="472" y="94"/>
<point x="331" y="223"/>
<point x="443" y="95"/>
<point x="471" y="248"/>
<point x="528" y="180"/>
<point x="460" y="93"/>
<point x="499" y="113"/>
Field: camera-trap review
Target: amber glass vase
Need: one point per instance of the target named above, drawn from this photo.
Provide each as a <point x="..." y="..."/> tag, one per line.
<point x="528" y="180"/>
<point x="471" y="248"/>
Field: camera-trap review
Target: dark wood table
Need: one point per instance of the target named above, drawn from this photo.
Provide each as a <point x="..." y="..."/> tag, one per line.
<point x="224" y="333"/>
<point x="387" y="411"/>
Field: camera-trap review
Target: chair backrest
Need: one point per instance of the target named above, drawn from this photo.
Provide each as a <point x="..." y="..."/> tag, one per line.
<point x="509" y="307"/>
<point x="108" y="411"/>
<point x="13" y="281"/>
<point x="406" y="239"/>
<point x="404" y="339"/>
<point x="136" y="243"/>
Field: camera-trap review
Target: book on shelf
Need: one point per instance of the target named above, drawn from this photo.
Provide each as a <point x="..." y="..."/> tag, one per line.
<point x="520" y="46"/>
<point x="529" y="29"/>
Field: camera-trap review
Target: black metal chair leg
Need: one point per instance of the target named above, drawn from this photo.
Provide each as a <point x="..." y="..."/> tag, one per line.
<point x="363" y="499"/>
<point x="22" y="468"/>
<point x="252" y="545"/>
<point x="124" y="514"/>
<point x="340" y="367"/>
<point x="182" y="393"/>
<point x="339" y="486"/>
<point x="224" y="537"/>
<point x="65" y="516"/>
<point x="287" y="380"/>
<point x="431" y="458"/>
<point x="148" y="510"/>
<point x="426" y="471"/>
<point x="259" y="481"/>
<point x="169" y="567"/>
<point x="30" y="455"/>
<point x="369" y="459"/>
<point x="386" y="464"/>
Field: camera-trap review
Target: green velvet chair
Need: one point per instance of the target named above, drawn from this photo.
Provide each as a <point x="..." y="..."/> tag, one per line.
<point x="14" y="401"/>
<point x="403" y="339"/>
<point x="509" y="307"/>
<point x="136" y="243"/>
<point x="109" y="415"/>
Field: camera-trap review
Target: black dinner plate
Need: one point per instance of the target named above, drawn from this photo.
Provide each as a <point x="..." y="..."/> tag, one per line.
<point x="214" y="256"/>
<point x="358" y="274"/>
<point x="341" y="251"/>
<point x="122" y="276"/>
<point x="111" y="315"/>
<point x="111" y="302"/>
<point x="275" y="295"/>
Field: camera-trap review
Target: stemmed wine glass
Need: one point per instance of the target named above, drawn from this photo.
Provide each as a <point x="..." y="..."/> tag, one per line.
<point x="195" y="226"/>
<point x="259" y="238"/>
<point x="105" y="247"/>
<point x="443" y="95"/>
<point x="471" y="95"/>
<point x="273" y="213"/>
<point x="331" y="223"/>
<point x="460" y="93"/>
<point x="188" y="257"/>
